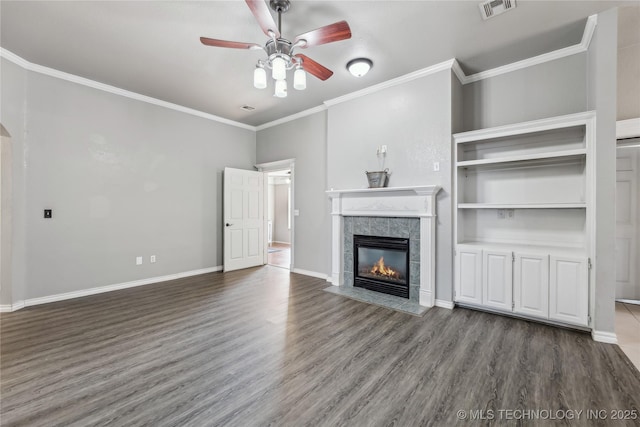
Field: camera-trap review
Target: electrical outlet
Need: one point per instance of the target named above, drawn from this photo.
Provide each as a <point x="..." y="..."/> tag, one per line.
<point x="436" y="166"/>
<point x="152" y="258"/>
<point x="501" y="214"/>
<point x="138" y="260"/>
<point x="511" y="214"/>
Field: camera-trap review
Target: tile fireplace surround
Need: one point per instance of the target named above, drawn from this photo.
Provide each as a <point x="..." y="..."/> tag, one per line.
<point x="395" y="202"/>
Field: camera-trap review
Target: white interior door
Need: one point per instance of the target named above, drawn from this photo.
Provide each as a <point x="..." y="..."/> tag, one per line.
<point x="627" y="286"/>
<point x="243" y="219"/>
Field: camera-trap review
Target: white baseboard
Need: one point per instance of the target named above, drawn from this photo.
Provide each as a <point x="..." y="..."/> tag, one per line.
<point x="444" y="304"/>
<point x="605" y="337"/>
<point x="8" y="308"/>
<point x="311" y="273"/>
<point x="108" y="288"/>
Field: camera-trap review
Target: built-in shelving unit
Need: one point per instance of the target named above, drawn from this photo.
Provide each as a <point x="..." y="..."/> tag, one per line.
<point x="523" y="223"/>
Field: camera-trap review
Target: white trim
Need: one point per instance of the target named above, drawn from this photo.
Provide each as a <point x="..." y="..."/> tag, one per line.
<point x="444" y="304"/>
<point x="627" y="128"/>
<point x="446" y="65"/>
<point x="457" y="70"/>
<point x="8" y="308"/>
<point x="589" y="29"/>
<point x="109" y="288"/>
<point x="540" y="125"/>
<point x="275" y="166"/>
<point x="605" y="337"/>
<point x="295" y="116"/>
<point x="451" y="64"/>
<point x="115" y="90"/>
<point x="310" y="273"/>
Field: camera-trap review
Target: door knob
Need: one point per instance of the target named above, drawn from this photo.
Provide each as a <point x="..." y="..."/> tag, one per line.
<point x="228" y="225"/>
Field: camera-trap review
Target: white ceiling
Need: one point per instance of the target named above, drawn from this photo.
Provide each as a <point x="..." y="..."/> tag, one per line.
<point x="153" y="47"/>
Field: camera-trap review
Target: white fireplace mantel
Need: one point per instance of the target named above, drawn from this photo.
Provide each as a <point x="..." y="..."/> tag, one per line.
<point x="413" y="202"/>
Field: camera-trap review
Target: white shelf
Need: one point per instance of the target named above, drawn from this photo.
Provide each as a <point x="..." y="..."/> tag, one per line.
<point x="559" y="155"/>
<point x="576" y="205"/>
<point x="534" y="126"/>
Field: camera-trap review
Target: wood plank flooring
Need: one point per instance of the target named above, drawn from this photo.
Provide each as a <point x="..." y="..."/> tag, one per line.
<point x="281" y="258"/>
<point x="263" y="347"/>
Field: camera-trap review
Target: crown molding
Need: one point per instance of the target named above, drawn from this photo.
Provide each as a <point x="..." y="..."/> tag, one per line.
<point x="21" y="62"/>
<point x="583" y="46"/>
<point x="446" y="65"/>
<point x="295" y="116"/>
<point x="451" y="64"/>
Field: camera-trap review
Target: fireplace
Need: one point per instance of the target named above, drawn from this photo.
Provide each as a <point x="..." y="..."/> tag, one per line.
<point x="381" y="264"/>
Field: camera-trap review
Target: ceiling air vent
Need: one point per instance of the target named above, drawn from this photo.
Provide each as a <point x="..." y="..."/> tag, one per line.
<point x="491" y="8"/>
<point x="247" y="108"/>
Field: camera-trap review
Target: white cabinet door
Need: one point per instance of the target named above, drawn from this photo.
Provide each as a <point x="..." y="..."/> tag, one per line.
<point x="497" y="278"/>
<point x="569" y="290"/>
<point x="469" y="275"/>
<point x="531" y="285"/>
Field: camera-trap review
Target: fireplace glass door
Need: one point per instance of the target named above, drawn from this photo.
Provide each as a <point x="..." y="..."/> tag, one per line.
<point x="381" y="264"/>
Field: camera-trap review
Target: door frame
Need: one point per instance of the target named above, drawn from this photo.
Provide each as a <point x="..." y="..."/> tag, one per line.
<point x="286" y="164"/>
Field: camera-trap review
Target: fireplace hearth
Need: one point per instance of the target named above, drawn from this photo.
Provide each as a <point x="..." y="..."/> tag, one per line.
<point x="381" y="264"/>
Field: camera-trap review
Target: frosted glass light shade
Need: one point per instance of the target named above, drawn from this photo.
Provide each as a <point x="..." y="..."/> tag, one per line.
<point x="279" y="71"/>
<point x="260" y="78"/>
<point x="281" y="89"/>
<point x="359" y="67"/>
<point x="299" y="79"/>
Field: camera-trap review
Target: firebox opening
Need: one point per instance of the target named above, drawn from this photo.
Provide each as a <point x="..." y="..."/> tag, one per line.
<point x="381" y="264"/>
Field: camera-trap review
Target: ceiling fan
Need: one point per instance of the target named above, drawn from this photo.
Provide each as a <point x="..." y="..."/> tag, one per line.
<point x="280" y="51"/>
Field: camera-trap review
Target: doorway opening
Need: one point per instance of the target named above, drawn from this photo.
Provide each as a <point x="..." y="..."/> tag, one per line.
<point x="627" y="320"/>
<point x="279" y="218"/>
<point x="279" y="213"/>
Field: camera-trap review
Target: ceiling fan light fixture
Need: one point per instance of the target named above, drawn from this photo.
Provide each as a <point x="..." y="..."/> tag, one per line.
<point x="359" y="66"/>
<point x="281" y="89"/>
<point x="299" y="79"/>
<point x="279" y="68"/>
<point x="260" y="78"/>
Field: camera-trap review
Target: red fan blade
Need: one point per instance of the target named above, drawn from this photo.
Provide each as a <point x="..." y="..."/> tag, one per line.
<point x="313" y="68"/>
<point x="328" y="34"/>
<point x="226" y="43"/>
<point x="261" y="11"/>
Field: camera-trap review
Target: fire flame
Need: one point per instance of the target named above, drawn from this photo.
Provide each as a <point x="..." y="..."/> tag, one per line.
<point x="382" y="270"/>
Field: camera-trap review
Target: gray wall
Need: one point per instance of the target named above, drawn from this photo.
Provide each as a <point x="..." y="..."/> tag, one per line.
<point x="281" y="213"/>
<point x="414" y="120"/>
<point x="602" y="98"/>
<point x="551" y="89"/>
<point x="628" y="63"/>
<point x="304" y="140"/>
<point x="12" y="110"/>
<point x="124" y="179"/>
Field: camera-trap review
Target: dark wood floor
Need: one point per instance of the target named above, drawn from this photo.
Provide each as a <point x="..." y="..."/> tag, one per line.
<point x="263" y="347"/>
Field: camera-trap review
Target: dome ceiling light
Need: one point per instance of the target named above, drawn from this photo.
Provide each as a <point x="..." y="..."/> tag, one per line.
<point x="359" y="66"/>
